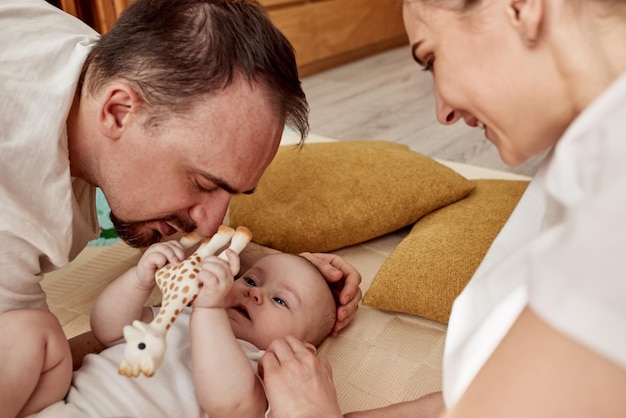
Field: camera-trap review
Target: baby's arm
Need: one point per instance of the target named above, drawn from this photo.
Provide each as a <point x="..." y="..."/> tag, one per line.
<point x="123" y="300"/>
<point x="225" y="381"/>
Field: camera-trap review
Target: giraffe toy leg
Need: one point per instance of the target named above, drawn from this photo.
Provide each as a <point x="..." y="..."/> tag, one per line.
<point x="145" y="343"/>
<point x="241" y="238"/>
<point x="190" y="239"/>
<point x="215" y="243"/>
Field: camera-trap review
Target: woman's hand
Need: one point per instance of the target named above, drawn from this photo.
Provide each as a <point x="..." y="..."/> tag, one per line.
<point x="344" y="280"/>
<point x="298" y="384"/>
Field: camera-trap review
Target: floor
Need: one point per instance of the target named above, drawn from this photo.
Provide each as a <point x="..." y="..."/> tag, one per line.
<point x="386" y="96"/>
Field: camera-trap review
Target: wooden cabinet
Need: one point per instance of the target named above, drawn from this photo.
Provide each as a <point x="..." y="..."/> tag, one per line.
<point x="324" y="33"/>
<point x="106" y="12"/>
<point x="99" y="14"/>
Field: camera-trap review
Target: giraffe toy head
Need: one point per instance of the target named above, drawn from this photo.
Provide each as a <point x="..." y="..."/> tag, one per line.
<point x="180" y="285"/>
<point x="145" y="349"/>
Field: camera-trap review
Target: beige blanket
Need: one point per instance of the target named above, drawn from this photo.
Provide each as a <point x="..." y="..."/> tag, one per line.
<point x="380" y="358"/>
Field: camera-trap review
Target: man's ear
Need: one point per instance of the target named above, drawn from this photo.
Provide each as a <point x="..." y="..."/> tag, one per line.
<point x="119" y="104"/>
<point x="526" y="17"/>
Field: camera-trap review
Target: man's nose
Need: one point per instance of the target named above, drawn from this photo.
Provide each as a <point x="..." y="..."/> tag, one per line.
<point x="209" y="213"/>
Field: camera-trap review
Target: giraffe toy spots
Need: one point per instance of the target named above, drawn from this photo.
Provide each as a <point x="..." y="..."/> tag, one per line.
<point x="179" y="284"/>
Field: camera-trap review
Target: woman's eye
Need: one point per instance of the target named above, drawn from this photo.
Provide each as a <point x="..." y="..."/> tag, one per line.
<point x="427" y="62"/>
<point x="250" y="282"/>
<point x="280" y="302"/>
<point x="428" y="67"/>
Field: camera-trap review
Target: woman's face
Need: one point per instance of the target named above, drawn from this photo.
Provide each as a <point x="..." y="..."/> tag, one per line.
<point x="484" y="74"/>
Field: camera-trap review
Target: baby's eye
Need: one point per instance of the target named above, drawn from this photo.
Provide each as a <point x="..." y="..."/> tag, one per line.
<point x="280" y="301"/>
<point x="250" y="282"/>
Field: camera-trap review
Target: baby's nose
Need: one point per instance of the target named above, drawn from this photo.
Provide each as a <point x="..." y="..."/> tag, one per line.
<point x="255" y="295"/>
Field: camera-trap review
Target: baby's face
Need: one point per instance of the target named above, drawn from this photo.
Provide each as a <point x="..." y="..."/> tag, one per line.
<point x="275" y="298"/>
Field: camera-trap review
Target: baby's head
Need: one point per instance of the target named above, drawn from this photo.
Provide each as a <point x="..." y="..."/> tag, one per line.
<point x="282" y="294"/>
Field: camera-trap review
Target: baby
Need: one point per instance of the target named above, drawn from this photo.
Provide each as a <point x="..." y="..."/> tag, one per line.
<point x="210" y="366"/>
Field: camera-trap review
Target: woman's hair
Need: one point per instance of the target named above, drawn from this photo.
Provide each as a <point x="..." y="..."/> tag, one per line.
<point x="174" y="52"/>
<point x="618" y="6"/>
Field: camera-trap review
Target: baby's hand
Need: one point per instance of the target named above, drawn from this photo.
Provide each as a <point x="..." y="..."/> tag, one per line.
<point x="155" y="257"/>
<point x="216" y="279"/>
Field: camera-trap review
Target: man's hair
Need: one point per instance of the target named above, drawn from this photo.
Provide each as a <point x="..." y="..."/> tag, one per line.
<point x="174" y="52"/>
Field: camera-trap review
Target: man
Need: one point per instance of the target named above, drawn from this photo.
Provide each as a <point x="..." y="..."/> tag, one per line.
<point x="181" y="105"/>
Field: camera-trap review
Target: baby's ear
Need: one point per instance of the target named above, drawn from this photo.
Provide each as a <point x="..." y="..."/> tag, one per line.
<point x="311" y="348"/>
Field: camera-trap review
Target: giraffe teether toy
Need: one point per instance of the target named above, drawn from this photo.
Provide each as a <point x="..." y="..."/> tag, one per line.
<point x="145" y="343"/>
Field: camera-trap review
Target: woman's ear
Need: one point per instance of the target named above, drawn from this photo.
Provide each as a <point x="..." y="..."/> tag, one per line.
<point x="526" y="17"/>
<point x="118" y="104"/>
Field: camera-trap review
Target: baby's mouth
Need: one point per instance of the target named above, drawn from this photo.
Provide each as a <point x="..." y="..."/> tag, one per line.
<point x="242" y="311"/>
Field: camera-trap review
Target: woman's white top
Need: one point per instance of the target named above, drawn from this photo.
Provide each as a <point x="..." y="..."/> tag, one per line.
<point x="562" y="253"/>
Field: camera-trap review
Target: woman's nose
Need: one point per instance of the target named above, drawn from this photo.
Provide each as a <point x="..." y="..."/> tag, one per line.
<point x="446" y="115"/>
<point x="209" y="213"/>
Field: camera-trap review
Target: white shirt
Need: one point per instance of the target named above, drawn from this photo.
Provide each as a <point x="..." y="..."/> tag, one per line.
<point x="562" y="252"/>
<point x="99" y="391"/>
<point x="46" y="216"/>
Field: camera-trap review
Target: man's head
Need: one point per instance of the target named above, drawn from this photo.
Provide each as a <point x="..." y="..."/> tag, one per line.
<point x="282" y="294"/>
<point x="189" y="99"/>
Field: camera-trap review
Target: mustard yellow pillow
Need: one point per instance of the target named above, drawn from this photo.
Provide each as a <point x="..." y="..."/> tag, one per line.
<point x="329" y="195"/>
<point x="432" y="265"/>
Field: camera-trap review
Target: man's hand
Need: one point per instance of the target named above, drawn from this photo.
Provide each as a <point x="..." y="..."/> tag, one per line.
<point x="344" y="281"/>
<point x="298" y="384"/>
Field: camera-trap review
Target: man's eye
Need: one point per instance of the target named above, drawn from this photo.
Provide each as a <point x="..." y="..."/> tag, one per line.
<point x="250" y="282"/>
<point x="280" y="302"/>
<point x="203" y="189"/>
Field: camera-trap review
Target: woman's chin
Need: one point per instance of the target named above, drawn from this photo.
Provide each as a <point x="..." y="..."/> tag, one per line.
<point x="511" y="159"/>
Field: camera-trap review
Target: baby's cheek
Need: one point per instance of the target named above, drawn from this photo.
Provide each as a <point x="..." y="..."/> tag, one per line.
<point x="282" y="326"/>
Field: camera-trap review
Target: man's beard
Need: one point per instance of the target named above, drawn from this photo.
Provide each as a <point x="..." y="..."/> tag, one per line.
<point x="136" y="235"/>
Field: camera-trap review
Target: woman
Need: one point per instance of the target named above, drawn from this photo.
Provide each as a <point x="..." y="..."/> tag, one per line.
<point x="540" y="331"/>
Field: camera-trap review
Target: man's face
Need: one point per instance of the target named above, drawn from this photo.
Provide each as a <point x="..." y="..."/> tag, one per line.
<point x="180" y="174"/>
